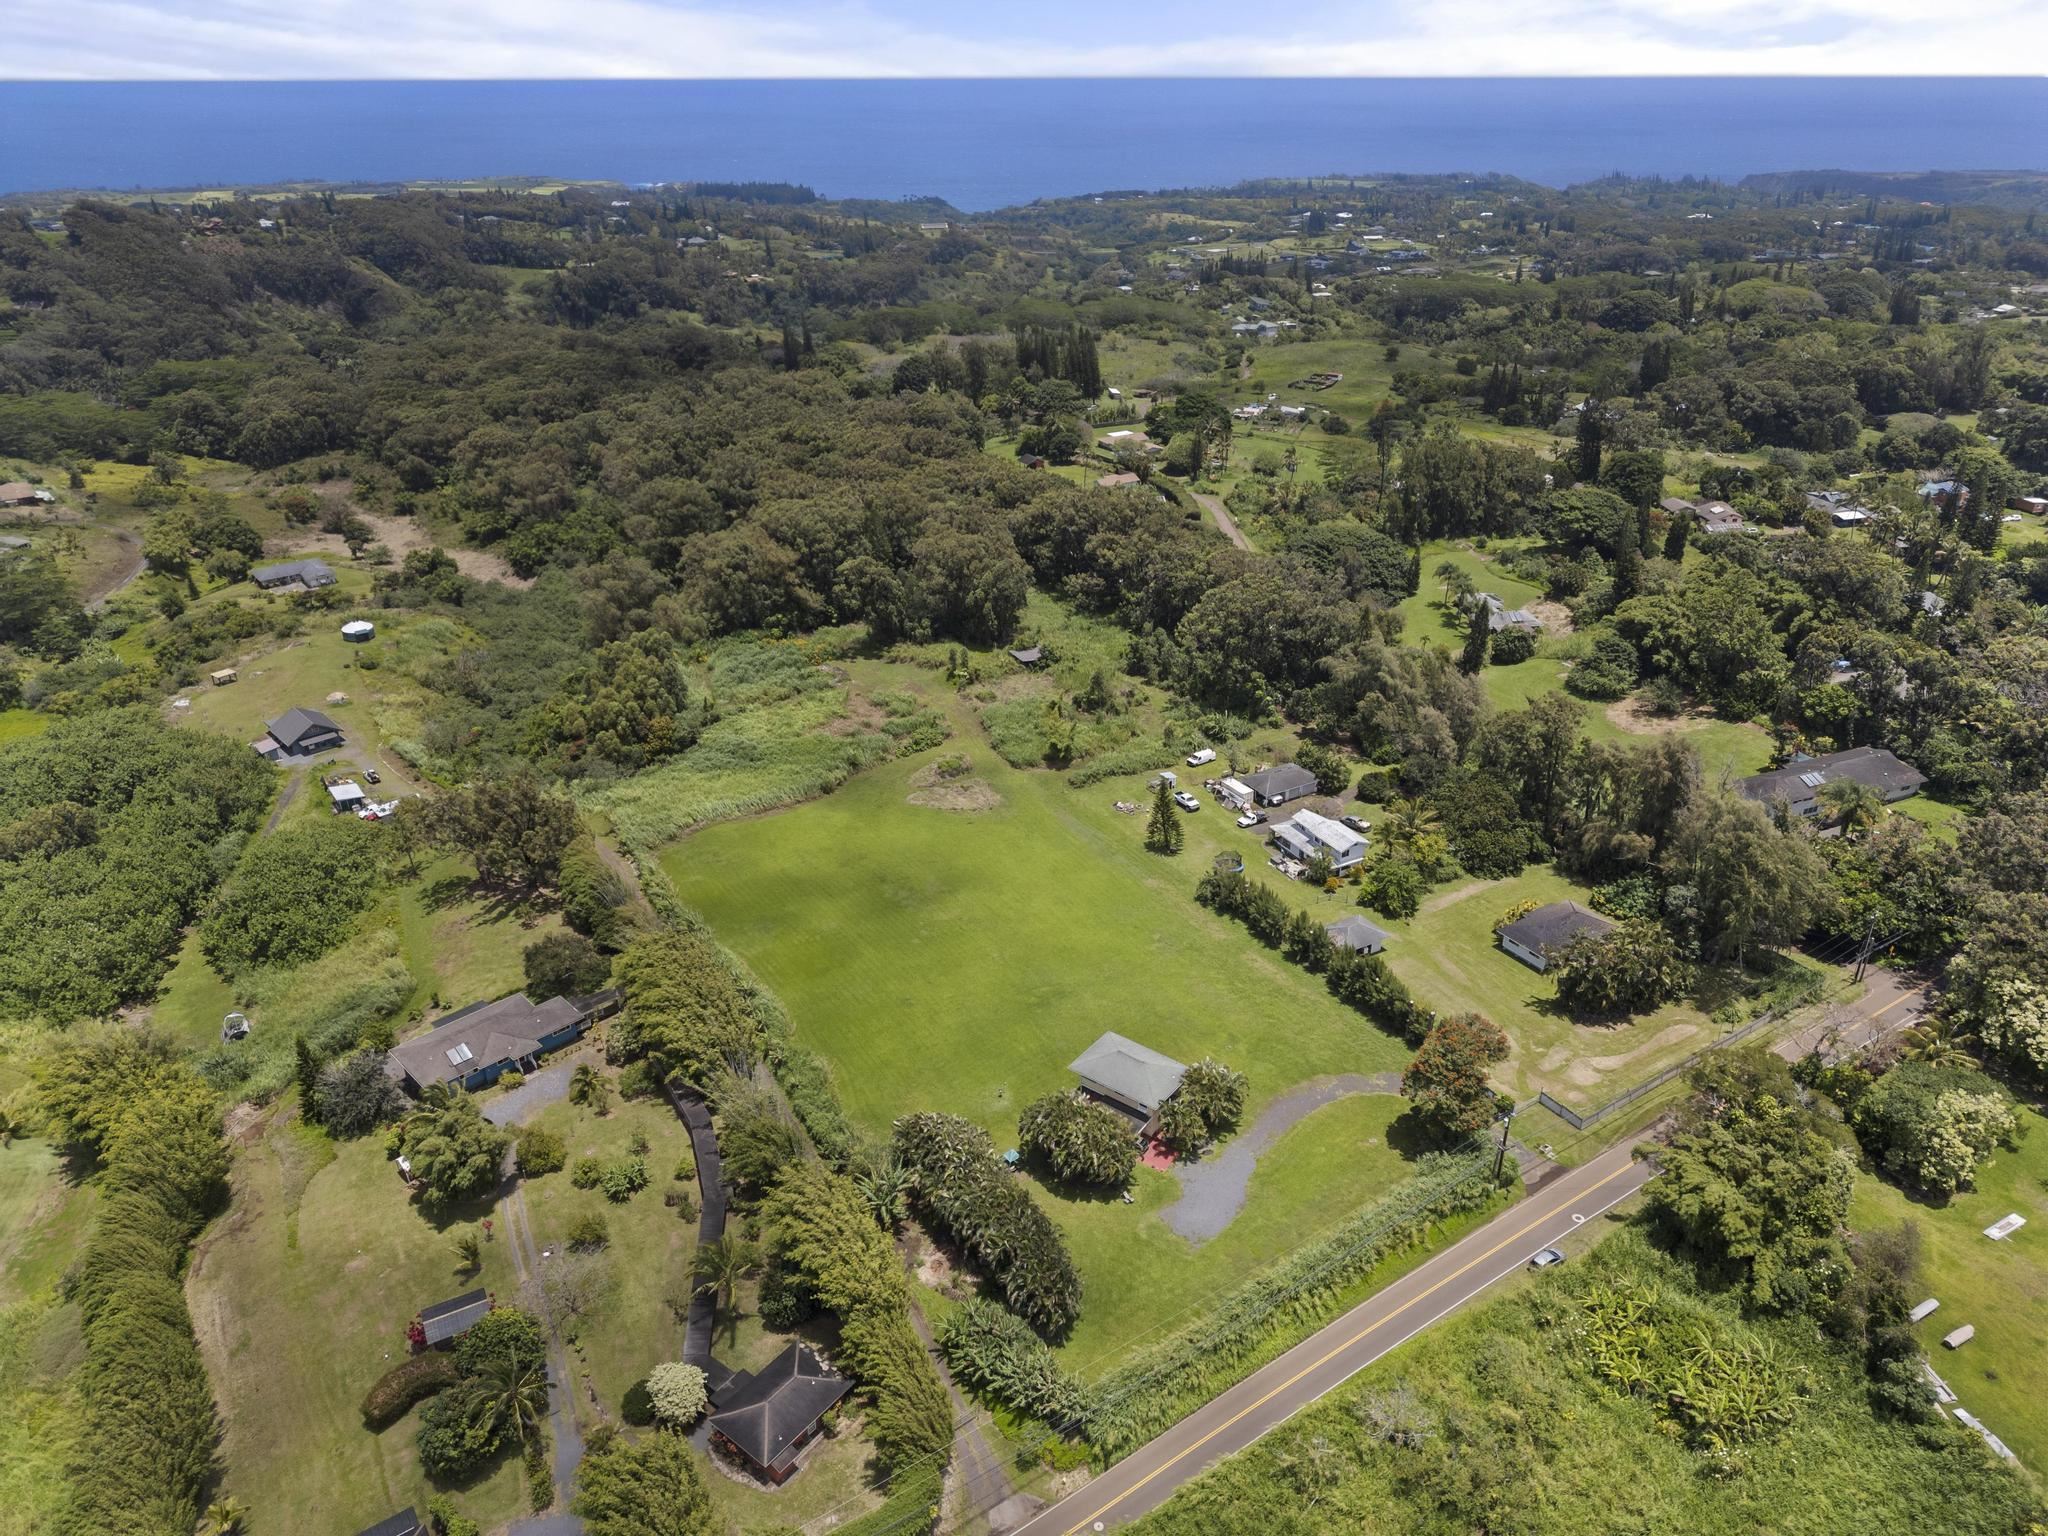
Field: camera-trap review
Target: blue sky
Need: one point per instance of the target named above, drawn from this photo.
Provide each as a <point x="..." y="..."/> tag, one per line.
<point x="395" y="39"/>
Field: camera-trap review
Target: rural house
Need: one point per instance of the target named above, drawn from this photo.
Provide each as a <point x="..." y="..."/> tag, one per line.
<point x="1717" y="517"/>
<point x="298" y="733"/>
<point x="1305" y="835"/>
<point x="1500" y="616"/>
<point x="446" y="1321"/>
<point x="302" y="575"/>
<point x="1800" y="781"/>
<point x="475" y="1046"/>
<point x="1358" y="935"/>
<point x="1130" y="1078"/>
<point x="1277" y="786"/>
<point x="18" y="493"/>
<point x="1535" y="938"/>
<point x="767" y="1417"/>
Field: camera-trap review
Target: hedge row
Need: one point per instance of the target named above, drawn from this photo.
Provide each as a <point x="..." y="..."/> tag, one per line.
<point x="964" y="1187"/>
<point x="803" y="1076"/>
<point x="146" y="1447"/>
<point x="1274" y="1310"/>
<point x="994" y="1351"/>
<point x="405" y="1384"/>
<point x="1361" y="982"/>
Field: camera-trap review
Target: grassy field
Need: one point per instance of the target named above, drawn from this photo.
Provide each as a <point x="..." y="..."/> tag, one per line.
<point x="2001" y="1375"/>
<point x="1427" y="620"/>
<point x="300" y="1296"/>
<point x="44" y="1216"/>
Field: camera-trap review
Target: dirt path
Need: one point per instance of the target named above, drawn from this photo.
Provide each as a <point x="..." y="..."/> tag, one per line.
<point x="1225" y="523"/>
<point x="285" y="797"/>
<point x="403" y="535"/>
<point x="562" y="1425"/>
<point x="977" y="1481"/>
<point x="128" y="573"/>
<point x="1213" y="1190"/>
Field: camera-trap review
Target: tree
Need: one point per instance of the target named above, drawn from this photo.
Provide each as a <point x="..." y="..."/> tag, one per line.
<point x="1214" y="1092"/>
<point x="1854" y="807"/>
<point x="722" y="1264"/>
<point x="501" y="1333"/>
<point x="1163" y="832"/>
<point x="588" y="1087"/>
<point x="306" y="1068"/>
<point x="1748" y="883"/>
<point x="225" y="1516"/>
<point x="1447" y="1079"/>
<point x="513" y="829"/>
<point x="1591" y="434"/>
<point x="356" y="1095"/>
<point x="1932" y="1124"/>
<point x="1392" y="887"/>
<point x="1478" y="633"/>
<point x="565" y="965"/>
<point x="455" y="1153"/>
<point x="678" y="1392"/>
<point x="1755" y="1183"/>
<point x="292" y="895"/>
<point x="1082" y="1142"/>
<point x="644" y="1487"/>
<point x="1630" y="968"/>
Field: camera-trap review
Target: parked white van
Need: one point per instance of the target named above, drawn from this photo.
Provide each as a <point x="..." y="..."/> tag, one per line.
<point x="1197" y="759"/>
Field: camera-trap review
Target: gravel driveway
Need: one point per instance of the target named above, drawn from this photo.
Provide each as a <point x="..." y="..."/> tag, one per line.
<point x="1212" y="1191"/>
<point x="550" y="1085"/>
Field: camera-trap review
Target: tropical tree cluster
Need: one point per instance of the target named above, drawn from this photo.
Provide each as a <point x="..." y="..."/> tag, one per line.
<point x="1080" y="1141"/>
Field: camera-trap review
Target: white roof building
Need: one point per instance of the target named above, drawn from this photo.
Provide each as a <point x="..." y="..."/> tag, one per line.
<point x="1306" y="835"/>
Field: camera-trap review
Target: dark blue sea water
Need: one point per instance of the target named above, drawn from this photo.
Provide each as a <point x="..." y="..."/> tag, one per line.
<point x="984" y="144"/>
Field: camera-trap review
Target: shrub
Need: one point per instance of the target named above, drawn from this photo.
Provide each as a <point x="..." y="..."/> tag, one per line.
<point x="1392" y="887"/>
<point x="786" y="1300"/>
<point x="587" y="1172"/>
<point x="455" y="1153"/>
<point x="1082" y="1142"/>
<point x="995" y="1351"/>
<point x="537" y="1151"/>
<point x="678" y="1392"/>
<point x="1215" y="1092"/>
<point x="589" y="1232"/>
<point x="357" y="1095"/>
<point x="540" y="1477"/>
<point x="452" y="1439"/>
<point x="1931" y="1124"/>
<point x="407" y="1383"/>
<point x="501" y="1333"/>
<point x="1512" y="647"/>
<point x="637" y="1407"/>
<point x="511" y="1078"/>
<point x="623" y="1178"/>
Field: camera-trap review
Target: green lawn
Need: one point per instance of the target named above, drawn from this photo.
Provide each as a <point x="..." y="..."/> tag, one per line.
<point x="1428" y="621"/>
<point x="1938" y="814"/>
<point x="43" y="1218"/>
<point x="2001" y="1288"/>
<point x="300" y="1296"/>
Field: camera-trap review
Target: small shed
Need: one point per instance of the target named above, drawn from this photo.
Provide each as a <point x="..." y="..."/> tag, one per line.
<point x="356" y="631"/>
<point x="1535" y="938"/>
<point x="1029" y="656"/>
<point x="224" y="676"/>
<point x="446" y="1321"/>
<point x="346" y="795"/>
<point x="1355" y="933"/>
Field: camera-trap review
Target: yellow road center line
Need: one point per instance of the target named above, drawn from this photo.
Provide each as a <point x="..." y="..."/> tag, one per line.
<point x="1336" y="1350"/>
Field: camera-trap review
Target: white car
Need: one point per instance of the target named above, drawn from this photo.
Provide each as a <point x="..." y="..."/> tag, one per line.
<point x="1251" y="818"/>
<point x="1186" y="801"/>
<point x="1199" y="758"/>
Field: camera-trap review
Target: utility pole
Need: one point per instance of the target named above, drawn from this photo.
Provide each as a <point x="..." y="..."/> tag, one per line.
<point x="1500" y="1156"/>
<point x="1863" y="951"/>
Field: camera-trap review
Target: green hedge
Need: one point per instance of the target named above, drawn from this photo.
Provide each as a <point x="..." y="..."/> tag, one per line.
<point x="406" y="1383"/>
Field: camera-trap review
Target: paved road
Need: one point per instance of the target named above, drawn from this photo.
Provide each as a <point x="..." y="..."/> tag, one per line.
<point x="1890" y="1002"/>
<point x="1144" y="1480"/>
<point x="1227" y="524"/>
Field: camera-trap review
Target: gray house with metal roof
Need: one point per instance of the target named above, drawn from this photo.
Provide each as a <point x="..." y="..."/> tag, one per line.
<point x="1800" y="781"/>
<point x="1533" y="939"/>
<point x="1132" y="1079"/>
<point x="1277" y="786"/>
<point x="477" y="1045"/>
<point x="303" y="574"/>
<point x="298" y="733"/>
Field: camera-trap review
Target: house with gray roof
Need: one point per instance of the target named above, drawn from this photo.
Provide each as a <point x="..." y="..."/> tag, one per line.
<point x="302" y="575"/>
<point x="1500" y="616"/>
<point x="446" y="1321"/>
<point x="475" y="1046"/>
<point x="1533" y="939"/>
<point x="1132" y="1079"/>
<point x="1277" y="786"/>
<point x="1800" y="781"/>
<point x="765" y="1418"/>
<point x="1356" y="934"/>
<point x="298" y="733"/>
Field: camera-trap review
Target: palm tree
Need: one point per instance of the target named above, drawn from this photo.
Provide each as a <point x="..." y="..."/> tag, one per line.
<point x="722" y="1264"/>
<point x="1405" y="823"/>
<point x="1855" y="807"/>
<point x="225" y="1517"/>
<point x="512" y="1393"/>
<point x="1940" y="1043"/>
<point x="588" y="1087"/>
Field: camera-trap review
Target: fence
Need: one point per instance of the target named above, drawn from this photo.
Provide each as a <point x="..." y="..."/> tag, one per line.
<point x="1580" y="1122"/>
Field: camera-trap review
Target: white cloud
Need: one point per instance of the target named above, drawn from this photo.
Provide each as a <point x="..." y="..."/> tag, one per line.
<point x="546" y="39"/>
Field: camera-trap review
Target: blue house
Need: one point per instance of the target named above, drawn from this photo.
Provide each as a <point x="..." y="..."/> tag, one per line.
<point x="475" y="1046"/>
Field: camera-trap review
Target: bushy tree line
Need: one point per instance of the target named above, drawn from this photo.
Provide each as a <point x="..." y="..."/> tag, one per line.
<point x="293" y="896"/>
<point x="145" y="1446"/>
<point x="964" y="1187"/>
<point x="113" y="833"/>
<point x="828" y="1234"/>
<point x="1081" y="1142"/>
<point x="1359" y="981"/>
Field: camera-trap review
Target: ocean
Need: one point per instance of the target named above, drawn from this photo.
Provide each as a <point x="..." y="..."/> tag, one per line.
<point x="982" y="144"/>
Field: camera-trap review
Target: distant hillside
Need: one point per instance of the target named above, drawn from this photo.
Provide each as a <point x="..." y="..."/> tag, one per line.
<point x="1993" y="189"/>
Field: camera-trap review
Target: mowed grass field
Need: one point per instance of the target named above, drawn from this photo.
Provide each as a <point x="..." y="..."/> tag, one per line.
<point x="2001" y="1287"/>
<point x="300" y="1296"/>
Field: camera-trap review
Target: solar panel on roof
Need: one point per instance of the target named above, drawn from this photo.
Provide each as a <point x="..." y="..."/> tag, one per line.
<point x="1813" y="780"/>
<point x="457" y="1055"/>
